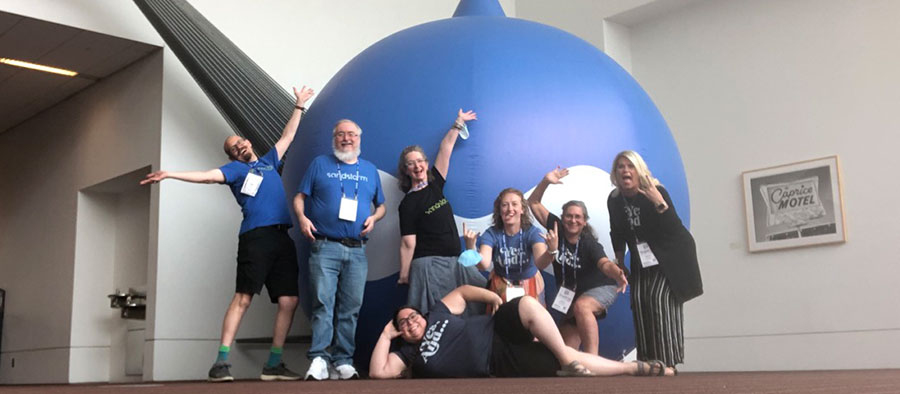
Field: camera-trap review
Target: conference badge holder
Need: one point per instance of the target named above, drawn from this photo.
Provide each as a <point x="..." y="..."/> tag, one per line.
<point x="564" y="299"/>
<point x="648" y="259"/>
<point x="251" y="184"/>
<point x="348" y="209"/>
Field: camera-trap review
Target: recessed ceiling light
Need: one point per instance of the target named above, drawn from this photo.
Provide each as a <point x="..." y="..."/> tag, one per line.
<point x="39" y="67"/>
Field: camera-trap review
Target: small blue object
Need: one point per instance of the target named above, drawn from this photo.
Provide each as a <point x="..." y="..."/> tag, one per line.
<point x="469" y="258"/>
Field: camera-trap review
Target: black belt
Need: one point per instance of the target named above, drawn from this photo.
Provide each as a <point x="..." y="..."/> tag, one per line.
<point x="348" y="242"/>
<point x="282" y="227"/>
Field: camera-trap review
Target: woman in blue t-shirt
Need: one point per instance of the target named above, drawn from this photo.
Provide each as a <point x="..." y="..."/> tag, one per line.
<point x="514" y="248"/>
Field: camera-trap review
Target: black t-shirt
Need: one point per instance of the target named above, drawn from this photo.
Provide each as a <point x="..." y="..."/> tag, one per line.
<point x="427" y="214"/>
<point x="453" y="347"/>
<point x="581" y="269"/>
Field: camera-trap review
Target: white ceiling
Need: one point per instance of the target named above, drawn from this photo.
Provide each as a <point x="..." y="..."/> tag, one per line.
<point x="25" y="93"/>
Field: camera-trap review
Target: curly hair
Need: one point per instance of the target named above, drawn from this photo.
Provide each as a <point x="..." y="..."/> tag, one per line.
<point x="405" y="181"/>
<point x="526" y="213"/>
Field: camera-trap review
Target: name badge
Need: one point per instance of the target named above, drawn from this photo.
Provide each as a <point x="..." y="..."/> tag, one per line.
<point x="251" y="184"/>
<point x="648" y="259"/>
<point x="348" y="209"/>
<point x="513" y="292"/>
<point x="563" y="300"/>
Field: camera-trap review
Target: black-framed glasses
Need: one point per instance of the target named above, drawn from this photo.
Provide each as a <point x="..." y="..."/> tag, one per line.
<point x="407" y="320"/>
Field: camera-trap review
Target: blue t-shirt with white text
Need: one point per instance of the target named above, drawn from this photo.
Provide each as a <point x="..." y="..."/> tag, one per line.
<point x="269" y="206"/>
<point x="323" y="184"/>
<point x="512" y="255"/>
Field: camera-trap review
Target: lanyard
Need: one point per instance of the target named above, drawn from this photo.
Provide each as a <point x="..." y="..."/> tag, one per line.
<point x="574" y="263"/>
<point x="504" y="251"/>
<point x="341" y="180"/>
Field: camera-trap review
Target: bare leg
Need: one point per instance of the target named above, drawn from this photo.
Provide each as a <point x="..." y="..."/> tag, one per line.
<point x="233" y="316"/>
<point x="537" y="320"/>
<point x="585" y="312"/>
<point x="283" y="319"/>
<point x="570" y="335"/>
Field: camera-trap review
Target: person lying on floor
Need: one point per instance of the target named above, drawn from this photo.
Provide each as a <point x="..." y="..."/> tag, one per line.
<point x="443" y="344"/>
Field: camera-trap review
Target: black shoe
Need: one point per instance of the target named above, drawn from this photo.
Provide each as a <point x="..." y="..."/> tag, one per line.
<point x="220" y="373"/>
<point x="278" y="372"/>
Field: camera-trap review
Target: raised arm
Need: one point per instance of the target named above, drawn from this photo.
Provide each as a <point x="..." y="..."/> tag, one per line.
<point x="442" y="161"/>
<point x="212" y="176"/>
<point x="534" y="200"/>
<point x="550" y="248"/>
<point x="290" y="129"/>
<point x="471" y="238"/>
<point x="384" y="364"/>
<point x="456" y="299"/>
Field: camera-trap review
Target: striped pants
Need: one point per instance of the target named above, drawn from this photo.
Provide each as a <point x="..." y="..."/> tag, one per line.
<point x="658" y="318"/>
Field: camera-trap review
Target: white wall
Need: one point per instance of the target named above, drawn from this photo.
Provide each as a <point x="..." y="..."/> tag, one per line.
<point x="747" y="85"/>
<point x="109" y="129"/>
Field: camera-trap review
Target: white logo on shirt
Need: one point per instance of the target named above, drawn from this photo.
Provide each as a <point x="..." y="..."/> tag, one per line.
<point x="431" y="343"/>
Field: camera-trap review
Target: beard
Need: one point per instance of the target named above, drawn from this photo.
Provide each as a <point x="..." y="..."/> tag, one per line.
<point x="347" y="156"/>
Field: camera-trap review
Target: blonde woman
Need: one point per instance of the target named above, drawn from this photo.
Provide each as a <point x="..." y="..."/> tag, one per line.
<point x="664" y="269"/>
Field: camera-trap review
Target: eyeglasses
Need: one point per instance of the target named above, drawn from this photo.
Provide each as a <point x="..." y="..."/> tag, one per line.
<point x="407" y="320"/>
<point x="350" y="134"/>
<point x="412" y="163"/>
<point x="234" y="149"/>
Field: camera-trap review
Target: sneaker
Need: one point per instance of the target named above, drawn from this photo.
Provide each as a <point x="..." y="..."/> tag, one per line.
<point x="278" y="372"/>
<point x="220" y="373"/>
<point x="318" y="369"/>
<point x="346" y="372"/>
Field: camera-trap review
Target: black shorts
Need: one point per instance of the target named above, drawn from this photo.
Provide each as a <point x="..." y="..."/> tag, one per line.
<point x="514" y="351"/>
<point x="266" y="255"/>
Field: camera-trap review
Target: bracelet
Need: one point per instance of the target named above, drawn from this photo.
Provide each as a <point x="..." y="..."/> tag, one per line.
<point x="457" y="125"/>
<point x="302" y="109"/>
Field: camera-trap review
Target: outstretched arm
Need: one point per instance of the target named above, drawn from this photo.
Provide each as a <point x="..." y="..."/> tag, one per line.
<point x="212" y="176"/>
<point x="614" y="272"/>
<point x="534" y="200"/>
<point x="290" y="129"/>
<point x="456" y="299"/>
<point x="384" y="364"/>
<point x="442" y="161"/>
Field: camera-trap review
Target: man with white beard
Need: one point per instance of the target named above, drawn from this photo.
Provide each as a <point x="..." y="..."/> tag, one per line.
<point x="334" y="206"/>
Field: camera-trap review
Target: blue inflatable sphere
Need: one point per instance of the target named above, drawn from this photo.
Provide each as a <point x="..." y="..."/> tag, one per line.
<point x="544" y="98"/>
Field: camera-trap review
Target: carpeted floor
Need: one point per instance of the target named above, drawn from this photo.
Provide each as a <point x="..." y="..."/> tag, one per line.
<point x="819" y="382"/>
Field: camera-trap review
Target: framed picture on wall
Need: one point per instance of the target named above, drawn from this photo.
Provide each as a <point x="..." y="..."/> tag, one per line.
<point x="793" y="205"/>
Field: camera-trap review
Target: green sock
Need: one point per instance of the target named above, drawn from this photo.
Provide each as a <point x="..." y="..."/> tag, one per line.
<point x="274" y="357"/>
<point x="223" y="354"/>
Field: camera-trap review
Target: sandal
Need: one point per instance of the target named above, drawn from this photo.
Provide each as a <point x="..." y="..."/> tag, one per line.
<point x="574" y="368"/>
<point x="651" y="368"/>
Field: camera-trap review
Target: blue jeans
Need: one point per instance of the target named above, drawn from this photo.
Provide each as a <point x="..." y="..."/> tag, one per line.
<point x="337" y="276"/>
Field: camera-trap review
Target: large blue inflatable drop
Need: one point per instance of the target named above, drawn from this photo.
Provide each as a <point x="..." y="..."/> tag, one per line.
<point x="544" y="98"/>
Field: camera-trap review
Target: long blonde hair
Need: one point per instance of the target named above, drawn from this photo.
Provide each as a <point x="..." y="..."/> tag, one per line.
<point x="640" y="166"/>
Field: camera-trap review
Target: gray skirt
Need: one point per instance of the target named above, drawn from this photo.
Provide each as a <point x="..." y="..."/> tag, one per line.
<point x="433" y="277"/>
